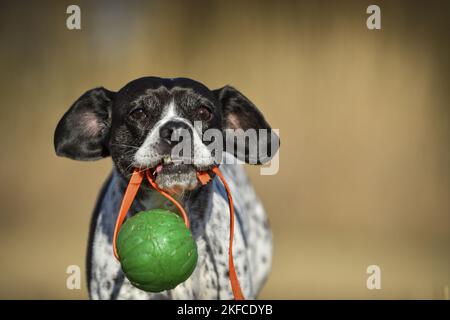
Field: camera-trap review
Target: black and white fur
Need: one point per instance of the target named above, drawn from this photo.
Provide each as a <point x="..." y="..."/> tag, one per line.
<point x="133" y="126"/>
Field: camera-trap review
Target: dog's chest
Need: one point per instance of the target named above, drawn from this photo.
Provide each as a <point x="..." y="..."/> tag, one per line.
<point x="209" y="217"/>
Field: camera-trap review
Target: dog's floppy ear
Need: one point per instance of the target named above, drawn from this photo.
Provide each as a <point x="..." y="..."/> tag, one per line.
<point x="240" y="116"/>
<point x="83" y="131"/>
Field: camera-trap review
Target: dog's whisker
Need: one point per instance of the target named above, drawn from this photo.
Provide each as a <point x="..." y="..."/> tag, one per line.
<point x="124" y="145"/>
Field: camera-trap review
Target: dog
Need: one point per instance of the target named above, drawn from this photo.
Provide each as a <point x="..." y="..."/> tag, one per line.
<point x="136" y="127"/>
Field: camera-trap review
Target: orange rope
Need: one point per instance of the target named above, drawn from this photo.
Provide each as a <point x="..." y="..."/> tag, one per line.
<point x="237" y="292"/>
<point x="127" y="201"/>
<point x="168" y="196"/>
<point x="204" y="178"/>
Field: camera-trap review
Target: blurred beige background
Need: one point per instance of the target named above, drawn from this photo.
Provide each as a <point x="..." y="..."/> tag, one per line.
<point x="363" y="115"/>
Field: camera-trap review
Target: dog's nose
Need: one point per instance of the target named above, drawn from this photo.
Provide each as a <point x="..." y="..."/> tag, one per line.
<point x="171" y="131"/>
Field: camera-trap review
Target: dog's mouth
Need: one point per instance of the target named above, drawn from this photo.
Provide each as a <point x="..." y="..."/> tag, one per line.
<point x="174" y="176"/>
<point x="167" y="166"/>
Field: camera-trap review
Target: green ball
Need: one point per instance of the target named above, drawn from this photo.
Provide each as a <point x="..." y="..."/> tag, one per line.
<point x="156" y="250"/>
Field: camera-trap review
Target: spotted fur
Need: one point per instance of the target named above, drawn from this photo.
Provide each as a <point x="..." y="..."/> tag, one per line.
<point x="209" y="216"/>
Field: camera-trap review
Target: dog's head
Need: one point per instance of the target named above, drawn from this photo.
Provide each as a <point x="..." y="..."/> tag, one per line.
<point x="145" y="122"/>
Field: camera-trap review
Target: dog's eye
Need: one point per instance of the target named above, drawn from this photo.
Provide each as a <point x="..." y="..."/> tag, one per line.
<point x="138" y="114"/>
<point x="204" y="114"/>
